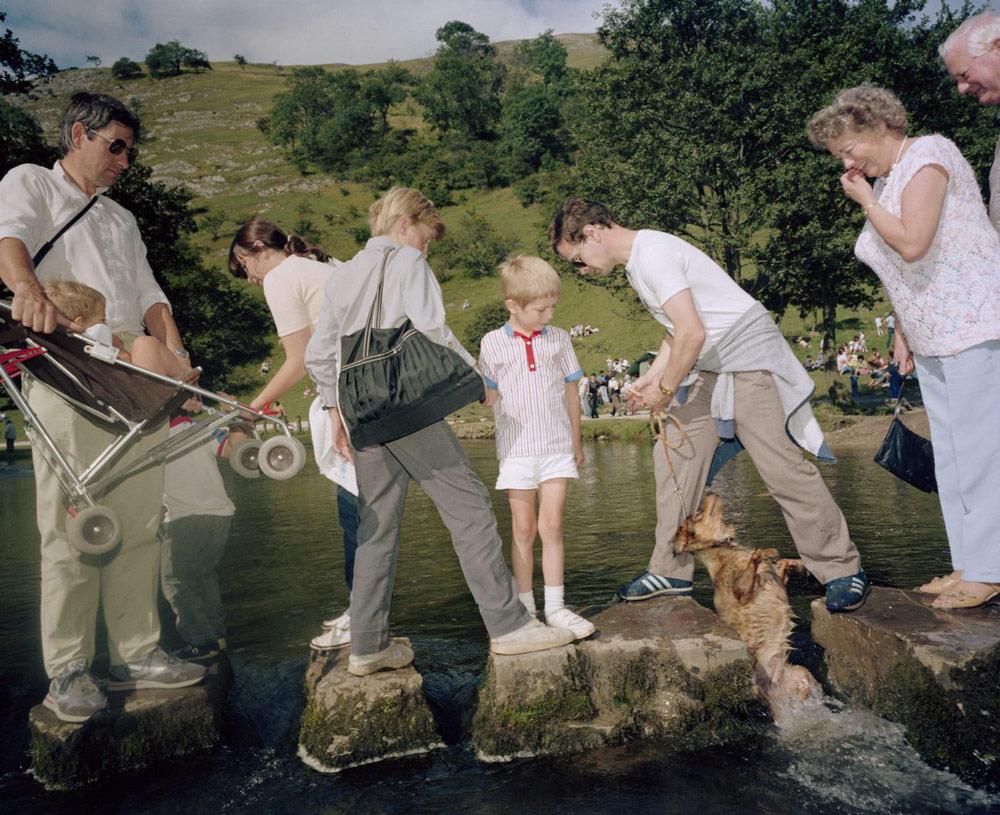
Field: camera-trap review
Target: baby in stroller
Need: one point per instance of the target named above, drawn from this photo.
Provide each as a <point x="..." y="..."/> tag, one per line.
<point x="89" y="309"/>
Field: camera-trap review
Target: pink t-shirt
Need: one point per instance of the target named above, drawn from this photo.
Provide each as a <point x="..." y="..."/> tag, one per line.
<point x="294" y="293"/>
<point x="948" y="300"/>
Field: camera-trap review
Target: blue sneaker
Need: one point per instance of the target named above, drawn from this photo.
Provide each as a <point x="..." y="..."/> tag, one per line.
<point x="649" y="585"/>
<point x="847" y="593"/>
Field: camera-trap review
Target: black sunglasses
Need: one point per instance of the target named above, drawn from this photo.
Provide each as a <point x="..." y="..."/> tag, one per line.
<point x="578" y="264"/>
<point x="117" y="146"/>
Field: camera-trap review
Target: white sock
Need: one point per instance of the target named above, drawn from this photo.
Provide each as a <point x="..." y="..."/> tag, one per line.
<point x="553" y="599"/>
<point x="528" y="601"/>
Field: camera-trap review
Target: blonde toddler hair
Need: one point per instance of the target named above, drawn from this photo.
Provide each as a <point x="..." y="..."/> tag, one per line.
<point x="527" y="278"/>
<point x="76" y="300"/>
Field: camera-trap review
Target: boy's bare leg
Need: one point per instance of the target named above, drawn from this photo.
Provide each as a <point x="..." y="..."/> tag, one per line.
<point x="524" y="526"/>
<point x="551" y="503"/>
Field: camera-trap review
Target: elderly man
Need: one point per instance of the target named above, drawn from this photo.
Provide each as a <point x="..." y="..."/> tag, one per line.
<point x="102" y="249"/>
<point x="722" y="359"/>
<point x="972" y="56"/>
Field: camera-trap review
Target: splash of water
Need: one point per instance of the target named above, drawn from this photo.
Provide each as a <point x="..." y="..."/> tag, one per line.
<point x="851" y="758"/>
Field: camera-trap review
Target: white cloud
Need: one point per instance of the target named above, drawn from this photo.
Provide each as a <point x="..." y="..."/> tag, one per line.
<point x="289" y="32"/>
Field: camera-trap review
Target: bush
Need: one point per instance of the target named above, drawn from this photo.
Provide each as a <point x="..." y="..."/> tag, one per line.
<point x="476" y="247"/>
<point x="484" y="320"/>
<point x="126" y="68"/>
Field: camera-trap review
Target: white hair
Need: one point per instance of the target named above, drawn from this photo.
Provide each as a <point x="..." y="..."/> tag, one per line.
<point x="978" y="33"/>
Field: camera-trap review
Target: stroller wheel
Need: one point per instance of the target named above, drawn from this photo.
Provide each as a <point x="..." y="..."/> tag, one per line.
<point x="281" y="457"/>
<point x="94" y="530"/>
<point x="244" y="458"/>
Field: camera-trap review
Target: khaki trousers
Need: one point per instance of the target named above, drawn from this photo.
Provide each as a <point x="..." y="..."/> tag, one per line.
<point x="814" y="520"/>
<point x="123" y="581"/>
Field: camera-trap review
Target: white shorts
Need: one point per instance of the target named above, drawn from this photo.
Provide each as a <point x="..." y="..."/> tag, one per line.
<point x="527" y="472"/>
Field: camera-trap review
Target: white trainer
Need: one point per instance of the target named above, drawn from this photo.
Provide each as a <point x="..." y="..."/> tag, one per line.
<point x="564" y="618"/>
<point x="343" y="621"/>
<point x="532" y="636"/>
<point x="396" y="655"/>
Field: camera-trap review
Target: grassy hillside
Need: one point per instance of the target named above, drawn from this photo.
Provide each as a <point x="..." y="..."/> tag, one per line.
<point x="201" y="132"/>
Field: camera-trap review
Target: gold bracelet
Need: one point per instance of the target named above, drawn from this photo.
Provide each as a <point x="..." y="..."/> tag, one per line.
<point x="668" y="392"/>
<point x="872" y="204"/>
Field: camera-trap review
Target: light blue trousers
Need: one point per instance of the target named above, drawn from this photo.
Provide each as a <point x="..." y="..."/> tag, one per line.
<point x="962" y="397"/>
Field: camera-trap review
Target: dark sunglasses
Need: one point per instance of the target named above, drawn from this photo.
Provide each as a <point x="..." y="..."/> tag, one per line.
<point x="578" y="264"/>
<point x="117" y="146"/>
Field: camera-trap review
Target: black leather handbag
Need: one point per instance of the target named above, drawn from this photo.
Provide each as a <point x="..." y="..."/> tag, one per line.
<point x="907" y="455"/>
<point x="395" y="381"/>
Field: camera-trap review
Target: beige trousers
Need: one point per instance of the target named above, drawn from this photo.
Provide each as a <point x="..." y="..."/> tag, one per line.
<point x="815" y="521"/>
<point x="124" y="581"/>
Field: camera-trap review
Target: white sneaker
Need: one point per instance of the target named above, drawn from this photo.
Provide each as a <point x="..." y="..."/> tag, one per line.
<point x="564" y="618"/>
<point x="329" y="640"/>
<point x="532" y="636"/>
<point x="343" y="621"/>
<point x="397" y="655"/>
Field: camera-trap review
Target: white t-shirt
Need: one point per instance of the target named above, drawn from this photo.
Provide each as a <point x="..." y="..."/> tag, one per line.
<point x="661" y="265"/>
<point x="192" y="483"/>
<point x="294" y="293"/>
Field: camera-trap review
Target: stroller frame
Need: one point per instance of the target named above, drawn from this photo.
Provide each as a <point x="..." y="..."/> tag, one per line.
<point x="92" y="528"/>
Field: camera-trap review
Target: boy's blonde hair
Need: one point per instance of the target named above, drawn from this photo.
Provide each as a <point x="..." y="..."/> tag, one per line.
<point x="76" y="300"/>
<point x="404" y="202"/>
<point x="526" y="278"/>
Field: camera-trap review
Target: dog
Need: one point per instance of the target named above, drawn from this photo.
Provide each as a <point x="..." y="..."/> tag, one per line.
<point x="750" y="596"/>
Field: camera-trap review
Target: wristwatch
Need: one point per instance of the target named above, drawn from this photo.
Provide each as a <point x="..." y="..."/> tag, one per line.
<point x="181" y="353"/>
<point x="668" y="392"/>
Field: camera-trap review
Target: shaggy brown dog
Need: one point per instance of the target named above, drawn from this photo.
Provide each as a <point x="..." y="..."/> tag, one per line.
<point x="750" y="596"/>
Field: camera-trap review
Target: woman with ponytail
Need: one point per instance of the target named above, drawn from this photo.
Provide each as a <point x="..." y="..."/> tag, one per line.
<point x="293" y="275"/>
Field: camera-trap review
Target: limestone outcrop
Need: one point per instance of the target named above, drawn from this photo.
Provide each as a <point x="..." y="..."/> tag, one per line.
<point x="663" y="668"/>
<point x="934" y="672"/>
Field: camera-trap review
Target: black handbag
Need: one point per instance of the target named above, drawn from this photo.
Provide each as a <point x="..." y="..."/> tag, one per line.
<point x="395" y="381"/>
<point x="907" y="455"/>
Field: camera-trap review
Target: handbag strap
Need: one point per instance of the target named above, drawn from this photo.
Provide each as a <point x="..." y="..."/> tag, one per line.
<point x="44" y="250"/>
<point x="899" y="399"/>
<point x="375" y="312"/>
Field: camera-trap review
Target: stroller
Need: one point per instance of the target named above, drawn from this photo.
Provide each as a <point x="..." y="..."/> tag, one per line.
<point x="130" y="399"/>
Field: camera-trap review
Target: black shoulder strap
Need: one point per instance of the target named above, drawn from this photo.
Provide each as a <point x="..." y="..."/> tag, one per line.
<point x="44" y="250"/>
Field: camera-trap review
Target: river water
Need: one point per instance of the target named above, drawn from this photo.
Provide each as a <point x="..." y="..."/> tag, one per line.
<point x="282" y="574"/>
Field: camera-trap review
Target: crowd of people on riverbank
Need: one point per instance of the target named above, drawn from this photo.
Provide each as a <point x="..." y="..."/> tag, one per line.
<point x="723" y="370"/>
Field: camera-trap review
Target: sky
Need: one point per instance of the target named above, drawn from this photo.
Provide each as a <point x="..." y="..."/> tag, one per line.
<point x="289" y="32"/>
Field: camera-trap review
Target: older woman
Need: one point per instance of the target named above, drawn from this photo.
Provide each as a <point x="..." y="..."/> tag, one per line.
<point x="929" y="240"/>
<point x="293" y="274"/>
<point x="403" y="223"/>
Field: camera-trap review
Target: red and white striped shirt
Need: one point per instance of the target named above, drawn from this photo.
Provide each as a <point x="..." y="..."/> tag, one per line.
<point x="530" y="374"/>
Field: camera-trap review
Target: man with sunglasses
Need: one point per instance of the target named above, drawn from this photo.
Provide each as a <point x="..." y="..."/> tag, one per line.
<point x="102" y="249"/>
<point x="724" y="371"/>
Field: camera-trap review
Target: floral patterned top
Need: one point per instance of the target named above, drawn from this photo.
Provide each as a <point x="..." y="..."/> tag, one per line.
<point x="949" y="299"/>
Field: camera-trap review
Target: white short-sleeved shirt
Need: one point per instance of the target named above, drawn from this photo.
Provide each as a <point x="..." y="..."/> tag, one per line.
<point x="661" y="265"/>
<point x="294" y="293"/>
<point x="102" y="250"/>
<point x="530" y="374"/>
<point x="192" y="483"/>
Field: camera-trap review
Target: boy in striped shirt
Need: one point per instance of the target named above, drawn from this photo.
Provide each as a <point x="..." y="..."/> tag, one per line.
<point x="531" y="372"/>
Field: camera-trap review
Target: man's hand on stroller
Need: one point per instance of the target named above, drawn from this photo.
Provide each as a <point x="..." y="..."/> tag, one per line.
<point x="36" y="312"/>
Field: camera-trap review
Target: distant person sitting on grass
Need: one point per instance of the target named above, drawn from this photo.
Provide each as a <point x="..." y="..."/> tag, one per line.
<point x="532" y="371"/>
<point x="88" y="307"/>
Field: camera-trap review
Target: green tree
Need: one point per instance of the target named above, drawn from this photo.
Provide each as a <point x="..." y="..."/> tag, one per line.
<point x="222" y="324"/>
<point x="165" y="60"/>
<point x="241" y="61"/>
<point x="709" y="100"/>
<point x="21" y="140"/>
<point x="531" y="131"/>
<point x="19" y="69"/>
<point x="484" y="320"/>
<point x="544" y="56"/>
<point x="125" y="68"/>
<point x="94" y="60"/>
<point x="461" y="93"/>
<point x="197" y="61"/>
<point x="475" y="248"/>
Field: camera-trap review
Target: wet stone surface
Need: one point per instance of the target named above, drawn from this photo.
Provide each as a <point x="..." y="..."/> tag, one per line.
<point x="933" y="671"/>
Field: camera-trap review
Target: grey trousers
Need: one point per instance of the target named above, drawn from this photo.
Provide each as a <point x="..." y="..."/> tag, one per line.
<point x="814" y="520"/>
<point x="190" y="551"/>
<point x="434" y="459"/>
